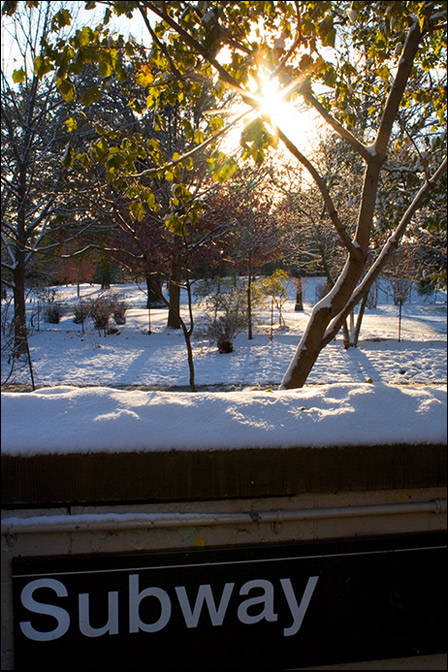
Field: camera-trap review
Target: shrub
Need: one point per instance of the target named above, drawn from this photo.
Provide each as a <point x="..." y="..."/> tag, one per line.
<point x="227" y="315"/>
<point x="53" y="312"/>
<point x="100" y="311"/>
<point x="81" y="311"/>
<point x="119" y="308"/>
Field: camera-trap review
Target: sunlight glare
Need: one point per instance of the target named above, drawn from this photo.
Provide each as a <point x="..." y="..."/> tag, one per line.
<point x="271" y="97"/>
<point x="293" y="119"/>
<point x="300" y="123"/>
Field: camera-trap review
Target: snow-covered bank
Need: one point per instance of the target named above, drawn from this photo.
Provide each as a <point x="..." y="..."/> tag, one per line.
<point x="73" y="420"/>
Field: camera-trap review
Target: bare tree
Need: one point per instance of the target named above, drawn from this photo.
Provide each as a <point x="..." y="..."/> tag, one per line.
<point x="33" y="139"/>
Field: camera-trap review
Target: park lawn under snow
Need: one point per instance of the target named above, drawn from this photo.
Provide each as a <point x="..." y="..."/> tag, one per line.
<point x="382" y="392"/>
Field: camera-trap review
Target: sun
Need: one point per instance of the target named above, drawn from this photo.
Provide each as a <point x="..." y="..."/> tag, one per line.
<point x="294" y="118"/>
<point x="272" y="99"/>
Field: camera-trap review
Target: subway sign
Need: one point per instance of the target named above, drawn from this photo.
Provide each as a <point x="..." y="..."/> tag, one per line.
<point x="267" y="607"/>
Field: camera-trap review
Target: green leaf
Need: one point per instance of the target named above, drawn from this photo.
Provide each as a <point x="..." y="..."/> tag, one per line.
<point x="18" y="76"/>
<point x="226" y="171"/>
<point x="152" y="202"/>
<point x="42" y="66"/>
<point x="136" y="106"/>
<point x="176" y="225"/>
<point x="329" y="75"/>
<point x="327" y="32"/>
<point x="383" y="73"/>
<point x="114" y="161"/>
<point x="61" y="19"/>
<point x="107" y="16"/>
<point x="188" y="163"/>
<point x="104" y="65"/>
<point x="100" y="150"/>
<point x="196" y="89"/>
<point x="188" y="128"/>
<point x="199" y="137"/>
<point x="83" y="159"/>
<point x="85" y="36"/>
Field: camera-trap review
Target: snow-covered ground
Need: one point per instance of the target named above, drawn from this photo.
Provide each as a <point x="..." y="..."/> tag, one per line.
<point x="384" y="391"/>
<point x="62" y="355"/>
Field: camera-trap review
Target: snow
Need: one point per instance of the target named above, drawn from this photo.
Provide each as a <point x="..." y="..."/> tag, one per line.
<point x="129" y="391"/>
<point x="68" y="419"/>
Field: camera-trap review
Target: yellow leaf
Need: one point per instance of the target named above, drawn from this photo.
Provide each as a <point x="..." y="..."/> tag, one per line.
<point x="145" y="76"/>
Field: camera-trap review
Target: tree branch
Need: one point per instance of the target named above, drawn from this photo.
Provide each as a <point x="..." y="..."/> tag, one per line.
<point x="248" y="98"/>
<point x="162" y="47"/>
<point x="337" y="127"/>
<point x="390" y="112"/>
<point x="388" y="249"/>
<point x="353" y="250"/>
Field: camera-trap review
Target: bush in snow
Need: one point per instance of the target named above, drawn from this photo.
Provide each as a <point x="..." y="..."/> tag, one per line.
<point x="107" y="306"/>
<point x="100" y="311"/>
<point x="273" y="289"/>
<point x="226" y="313"/>
<point x="82" y="311"/>
<point x="119" y="308"/>
<point x="53" y="312"/>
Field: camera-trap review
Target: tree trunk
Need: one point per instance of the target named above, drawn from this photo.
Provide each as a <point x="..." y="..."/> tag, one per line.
<point x="249" y="302"/>
<point x="362" y="307"/>
<point x="174" y="321"/>
<point x="20" y="326"/>
<point x="349" y="331"/>
<point x="187" y="335"/>
<point x="312" y="343"/>
<point x="299" y="295"/>
<point x="154" y="290"/>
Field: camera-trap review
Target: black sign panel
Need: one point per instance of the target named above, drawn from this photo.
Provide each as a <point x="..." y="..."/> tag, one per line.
<point x="268" y="607"/>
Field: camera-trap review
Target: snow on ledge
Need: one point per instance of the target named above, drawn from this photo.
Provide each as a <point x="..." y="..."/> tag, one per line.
<point x="66" y="419"/>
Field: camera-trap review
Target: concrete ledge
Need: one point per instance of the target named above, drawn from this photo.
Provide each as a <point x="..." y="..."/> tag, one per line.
<point x="164" y="476"/>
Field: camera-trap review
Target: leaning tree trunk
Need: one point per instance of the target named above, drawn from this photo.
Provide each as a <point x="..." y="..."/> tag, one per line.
<point x="326" y="309"/>
<point x="338" y="301"/>
<point x="311" y="343"/>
